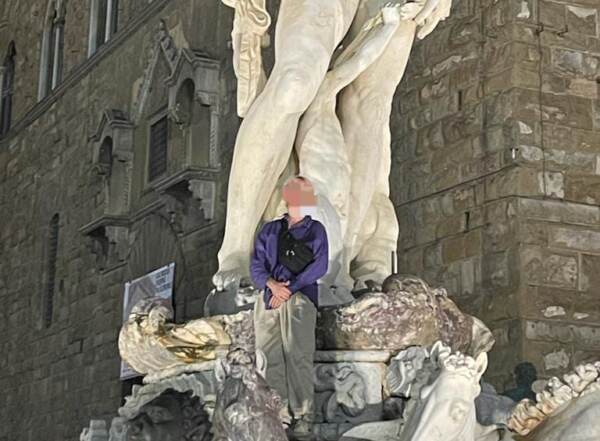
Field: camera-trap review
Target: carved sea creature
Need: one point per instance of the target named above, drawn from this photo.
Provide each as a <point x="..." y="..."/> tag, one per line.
<point x="150" y="343"/>
<point x="247" y="409"/>
<point x="424" y="314"/>
<point x="567" y="408"/>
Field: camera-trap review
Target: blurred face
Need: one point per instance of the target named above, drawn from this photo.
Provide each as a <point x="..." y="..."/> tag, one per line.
<point x="300" y="197"/>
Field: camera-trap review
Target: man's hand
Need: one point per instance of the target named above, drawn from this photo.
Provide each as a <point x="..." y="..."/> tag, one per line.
<point x="281" y="292"/>
<point x="276" y="302"/>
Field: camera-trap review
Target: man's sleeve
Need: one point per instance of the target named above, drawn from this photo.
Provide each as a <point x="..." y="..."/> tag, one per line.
<point x="258" y="260"/>
<point x="318" y="267"/>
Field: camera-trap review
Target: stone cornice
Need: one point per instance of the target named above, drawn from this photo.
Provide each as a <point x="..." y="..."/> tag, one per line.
<point x="82" y="70"/>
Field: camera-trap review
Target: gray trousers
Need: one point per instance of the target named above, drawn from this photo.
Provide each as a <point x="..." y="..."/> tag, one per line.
<point x="286" y="335"/>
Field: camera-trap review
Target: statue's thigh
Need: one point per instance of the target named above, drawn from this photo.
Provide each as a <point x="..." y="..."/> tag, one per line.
<point x="303" y="25"/>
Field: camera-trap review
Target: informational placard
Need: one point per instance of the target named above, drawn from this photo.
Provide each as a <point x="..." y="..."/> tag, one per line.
<point x="155" y="285"/>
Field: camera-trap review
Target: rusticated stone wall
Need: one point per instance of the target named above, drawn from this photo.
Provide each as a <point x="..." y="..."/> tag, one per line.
<point x="55" y="379"/>
<point x="496" y="174"/>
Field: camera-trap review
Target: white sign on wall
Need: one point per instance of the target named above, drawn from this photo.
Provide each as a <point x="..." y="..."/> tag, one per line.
<point x="155" y="285"/>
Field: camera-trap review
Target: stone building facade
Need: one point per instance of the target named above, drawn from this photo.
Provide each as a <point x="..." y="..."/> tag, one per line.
<point x="86" y="205"/>
<point x="496" y="180"/>
<point x="496" y="174"/>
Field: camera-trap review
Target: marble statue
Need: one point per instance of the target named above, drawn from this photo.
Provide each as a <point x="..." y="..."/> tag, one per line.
<point x="249" y="34"/>
<point x="442" y="386"/>
<point x="320" y="147"/>
<point x="307" y="35"/>
<point x="173" y="416"/>
<point x="150" y="343"/>
<point x="566" y="409"/>
<point x="153" y="345"/>
<point x="423" y="314"/>
<point x="345" y="390"/>
<point x="247" y="409"/>
<point x="444" y="408"/>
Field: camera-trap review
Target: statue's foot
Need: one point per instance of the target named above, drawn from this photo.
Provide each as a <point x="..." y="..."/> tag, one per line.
<point x="362" y="287"/>
<point x="231" y="275"/>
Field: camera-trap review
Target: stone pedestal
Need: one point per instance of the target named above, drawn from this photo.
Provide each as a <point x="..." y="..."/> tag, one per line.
<point x="349" y="390"/>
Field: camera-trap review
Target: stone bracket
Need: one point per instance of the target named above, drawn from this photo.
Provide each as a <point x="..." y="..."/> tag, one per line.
<point x="108" y="239"/>
<point x="190" y="197"/>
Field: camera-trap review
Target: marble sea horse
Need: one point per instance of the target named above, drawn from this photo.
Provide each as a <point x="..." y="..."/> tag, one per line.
<point x="443" y="386"/>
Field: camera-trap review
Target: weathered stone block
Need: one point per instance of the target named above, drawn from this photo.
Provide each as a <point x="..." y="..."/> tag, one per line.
<point x="542" y="267"/>
<point x="558" y="211"/>
<point x="549" y="331"/>
<point x="582" y="20"/>
<point x="590" y="273"/>
<point x="552" y="14"/>
<point x="552" y="184"/>
<point x="583" y="188"/>
<point x="575" y="239"/>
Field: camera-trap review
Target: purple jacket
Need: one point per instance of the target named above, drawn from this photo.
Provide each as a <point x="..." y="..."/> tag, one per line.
<point x="264" y="264"/>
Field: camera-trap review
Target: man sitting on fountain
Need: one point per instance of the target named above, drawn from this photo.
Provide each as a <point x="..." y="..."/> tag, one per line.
<point x="290" y="255"/>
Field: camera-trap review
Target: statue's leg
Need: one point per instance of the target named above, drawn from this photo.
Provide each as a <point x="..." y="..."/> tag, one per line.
<point x="367" y="102"/>
<point x="306" y="36"/>
<point x="376" y="241"/>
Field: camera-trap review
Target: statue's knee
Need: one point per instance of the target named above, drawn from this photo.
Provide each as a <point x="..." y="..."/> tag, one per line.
<point x="296" y="87"/>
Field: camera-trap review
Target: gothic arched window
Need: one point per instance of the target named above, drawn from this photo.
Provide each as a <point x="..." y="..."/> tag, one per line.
<point x="52" y="48"/>
<point x="51" y="255"/>
<point x="6" y="93"/>
<point x="104" y="16"/>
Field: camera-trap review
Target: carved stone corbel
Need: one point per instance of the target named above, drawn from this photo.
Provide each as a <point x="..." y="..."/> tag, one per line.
<point x="190" y="198"/>
<point x="204" y="192"/>
<point x="108" y="239"/>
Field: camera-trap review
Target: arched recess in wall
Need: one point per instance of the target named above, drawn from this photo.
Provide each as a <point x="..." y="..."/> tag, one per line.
<point x="154" y="244"/>
<point x="51" y="58"/>
<point x="193" y="119"/>
<point x="7" y="76"/>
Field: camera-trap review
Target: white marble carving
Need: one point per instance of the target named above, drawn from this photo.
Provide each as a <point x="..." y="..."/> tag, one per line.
<point x="569" y="408"/>
<point x="307" y="35"/>
<point x="151" y="344"/>
<point x="249" y="34"/>
<point x="349" y="392"/>
<point x="246" y="408"/>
